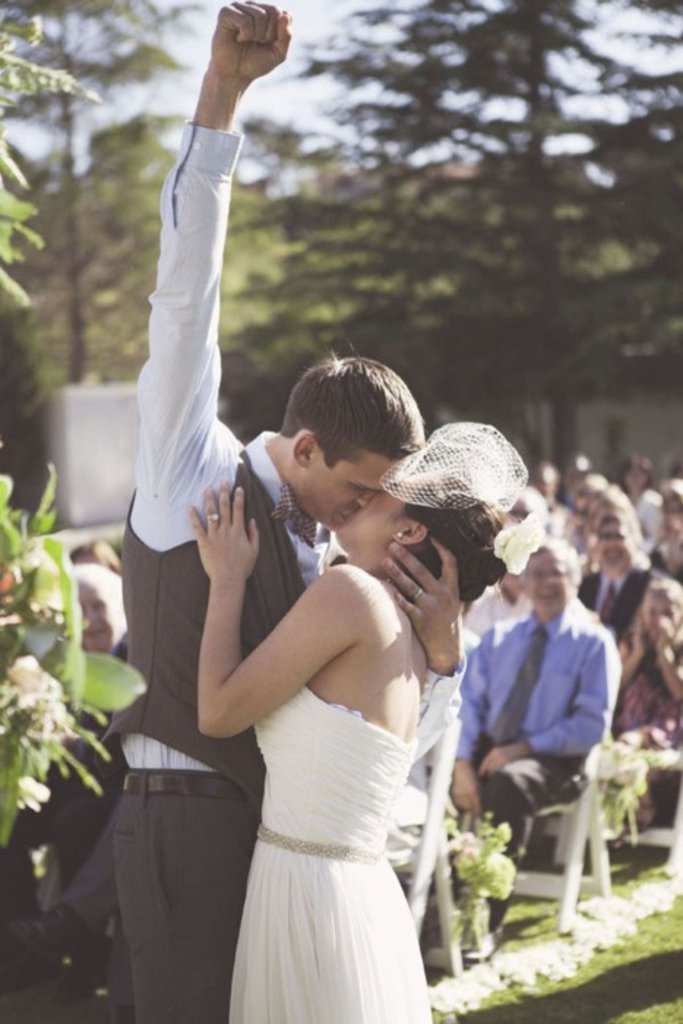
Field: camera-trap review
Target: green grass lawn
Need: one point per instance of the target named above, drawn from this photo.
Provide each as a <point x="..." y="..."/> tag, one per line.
<point x="637" y="982"/>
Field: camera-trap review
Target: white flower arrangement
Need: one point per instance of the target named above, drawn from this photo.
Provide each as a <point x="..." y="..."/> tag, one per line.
<point x="484" y="869"/>
<point x="623" y="771"/>
<point x="514" y="544"/>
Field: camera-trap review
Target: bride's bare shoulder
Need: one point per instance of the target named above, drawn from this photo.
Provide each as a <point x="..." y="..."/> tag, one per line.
<point x="353" y="590"/>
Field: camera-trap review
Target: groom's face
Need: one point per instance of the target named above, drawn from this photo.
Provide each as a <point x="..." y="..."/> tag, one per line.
<point x="332" y="495"/>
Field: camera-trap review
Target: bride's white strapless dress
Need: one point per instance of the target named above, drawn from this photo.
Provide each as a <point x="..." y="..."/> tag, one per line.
<point x="327" y="937"/>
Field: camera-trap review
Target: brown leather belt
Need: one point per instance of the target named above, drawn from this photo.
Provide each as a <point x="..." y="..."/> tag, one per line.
<point x="182" y="784"/>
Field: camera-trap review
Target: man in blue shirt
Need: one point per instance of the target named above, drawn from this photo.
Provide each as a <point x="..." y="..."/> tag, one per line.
<point x="538" y="693"/>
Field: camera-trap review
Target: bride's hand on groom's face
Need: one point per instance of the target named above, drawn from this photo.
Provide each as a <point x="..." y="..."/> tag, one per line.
<point x="228" y="549"/>
<point x="432" y="605"/>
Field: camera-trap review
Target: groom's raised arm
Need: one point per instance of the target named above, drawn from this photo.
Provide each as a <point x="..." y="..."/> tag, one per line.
<point x="182" y="445"/>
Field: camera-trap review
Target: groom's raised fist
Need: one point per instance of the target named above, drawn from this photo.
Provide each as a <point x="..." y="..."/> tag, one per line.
<point x="249" y="41"/>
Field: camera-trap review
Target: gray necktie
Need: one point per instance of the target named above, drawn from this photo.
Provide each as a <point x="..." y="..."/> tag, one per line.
<point x="505" y="729"/>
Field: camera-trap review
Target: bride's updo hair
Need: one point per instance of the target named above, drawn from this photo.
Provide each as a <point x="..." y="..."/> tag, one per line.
<point x="470" y="535"/>
<point x="459" y="485"/>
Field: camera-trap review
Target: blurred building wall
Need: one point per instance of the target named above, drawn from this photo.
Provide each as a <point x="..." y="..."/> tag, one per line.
<point x="610" y="430"/>
<point x="91" y="439"/>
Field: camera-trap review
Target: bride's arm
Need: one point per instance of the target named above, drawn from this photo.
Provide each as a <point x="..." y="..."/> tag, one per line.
<point x="332" y="615"/>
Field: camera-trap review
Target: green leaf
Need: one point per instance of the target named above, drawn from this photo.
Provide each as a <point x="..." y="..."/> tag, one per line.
<point x="13" y="208"/>
<point x="15" y="292"/>
<point x="44" y="514"/>
<point x="11" y="765"/>
<point x="110" y="683"/>
<point x="72" y="609"/>
<point x="45" y="584"/>
<point x="11" y="169"/>
<point x="10" y="542"/>
<point x="6" y="488"/>
<point x="66" y="662"/>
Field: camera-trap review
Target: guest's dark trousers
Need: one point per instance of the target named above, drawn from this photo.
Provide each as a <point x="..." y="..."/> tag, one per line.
<point x="521" y="789"/>
<point x="182" y="863"/>
<point x="92" y="894"/>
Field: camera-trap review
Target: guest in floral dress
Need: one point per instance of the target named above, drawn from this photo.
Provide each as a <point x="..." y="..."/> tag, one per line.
<point x="651" y="700"/>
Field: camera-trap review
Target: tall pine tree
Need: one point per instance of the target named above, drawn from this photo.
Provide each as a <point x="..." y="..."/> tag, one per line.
<point x="106" y="47"/>
<point x="496" y="239"/>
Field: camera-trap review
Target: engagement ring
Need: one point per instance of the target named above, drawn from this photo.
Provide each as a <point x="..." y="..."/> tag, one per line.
<point x="213" y="517"/>
<point x="420" y="590"/>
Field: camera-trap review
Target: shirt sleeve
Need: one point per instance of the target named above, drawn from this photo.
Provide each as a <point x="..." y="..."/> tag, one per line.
<point x="475" y="702"/>
<point x="439" y="707"/>
<point x="179" y="430"/>
<point x="593" y="706"/>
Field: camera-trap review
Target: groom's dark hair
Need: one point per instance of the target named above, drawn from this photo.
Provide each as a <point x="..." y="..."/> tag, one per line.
<point x="354" y="405"/>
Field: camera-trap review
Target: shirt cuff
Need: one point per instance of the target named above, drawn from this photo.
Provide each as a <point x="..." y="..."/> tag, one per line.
<point x="209" y="150"/>
<point x="432" y="678"/>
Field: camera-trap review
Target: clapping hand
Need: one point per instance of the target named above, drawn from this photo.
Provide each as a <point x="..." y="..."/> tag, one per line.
<point x="227" y="549"/>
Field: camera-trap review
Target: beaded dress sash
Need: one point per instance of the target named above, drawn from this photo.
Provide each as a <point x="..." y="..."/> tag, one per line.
<point x="333" y="851"/>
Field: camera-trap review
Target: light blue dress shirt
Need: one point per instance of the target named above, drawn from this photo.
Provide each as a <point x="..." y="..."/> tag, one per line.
<point x="571" y="706"/>
<point x="183" y="447"/>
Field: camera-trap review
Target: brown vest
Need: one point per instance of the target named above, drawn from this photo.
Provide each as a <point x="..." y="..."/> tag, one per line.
<point x="165" y="596"/>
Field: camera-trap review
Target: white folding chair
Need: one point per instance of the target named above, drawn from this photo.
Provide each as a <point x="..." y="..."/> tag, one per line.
<point x="425" y="857"/>
<point x="581" y="824"/>
<point x="671" y="838"/>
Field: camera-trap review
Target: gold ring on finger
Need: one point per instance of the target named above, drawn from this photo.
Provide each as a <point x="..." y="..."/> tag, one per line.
<point x="213" y="517"/>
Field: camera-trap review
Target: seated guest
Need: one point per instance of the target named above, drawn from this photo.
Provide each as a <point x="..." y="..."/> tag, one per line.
<point x="587" y="491"/>
<point x="537" y="695"/>
<point x="507" y="600"/>
<point x="99" y="551"/>
<point x="547" y="480"/>
<point x="612" y="500"/>
<point x="650" y="707"/>
<point x="667" y="556"/>
<point x="637" y="479"/>
<point x="616" y="589"/>
<point x="576" y="469"/>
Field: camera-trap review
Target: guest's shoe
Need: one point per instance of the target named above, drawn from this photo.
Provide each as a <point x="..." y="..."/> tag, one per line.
<point x="51" y="934"/>
<point x="490" y="945"/>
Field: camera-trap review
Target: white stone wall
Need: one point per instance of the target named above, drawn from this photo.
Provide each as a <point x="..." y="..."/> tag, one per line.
<point x="92" y="439"/>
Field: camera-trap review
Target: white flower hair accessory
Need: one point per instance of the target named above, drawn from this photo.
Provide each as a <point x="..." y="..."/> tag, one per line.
<point x="515" y="544"/>
<point x="461" y="465"/>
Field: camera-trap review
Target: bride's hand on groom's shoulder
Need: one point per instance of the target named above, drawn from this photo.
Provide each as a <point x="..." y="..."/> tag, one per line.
<point x="228" y="547"/>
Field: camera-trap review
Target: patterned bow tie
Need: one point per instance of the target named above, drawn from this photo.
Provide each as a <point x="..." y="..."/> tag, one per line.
<point x="298" y="521"/>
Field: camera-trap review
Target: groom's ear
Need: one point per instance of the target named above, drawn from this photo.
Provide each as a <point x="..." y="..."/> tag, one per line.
<point x="411" y="533"/>
<point x="304" y="448"/>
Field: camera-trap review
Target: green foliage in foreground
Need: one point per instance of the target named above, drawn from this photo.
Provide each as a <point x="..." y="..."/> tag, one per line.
<point x="46" y="678"/>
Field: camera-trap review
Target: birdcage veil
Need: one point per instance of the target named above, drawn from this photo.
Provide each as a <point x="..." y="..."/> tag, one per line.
<point x="461" y="465"/>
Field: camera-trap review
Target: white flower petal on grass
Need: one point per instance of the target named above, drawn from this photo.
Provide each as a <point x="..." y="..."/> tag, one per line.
<point x="601" y="922"/>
